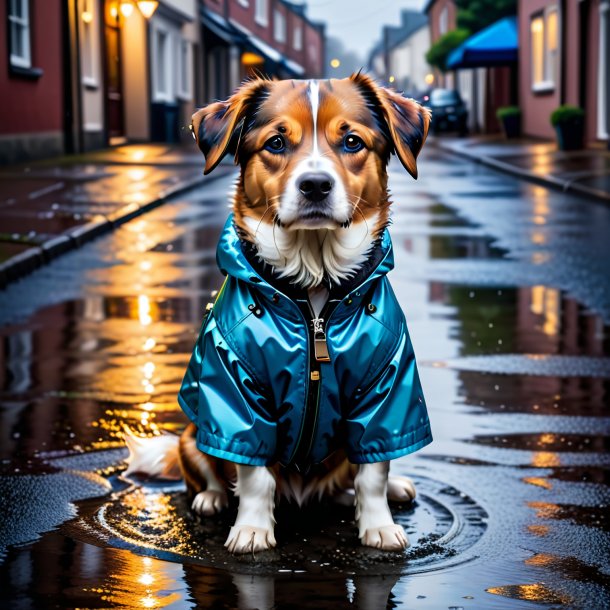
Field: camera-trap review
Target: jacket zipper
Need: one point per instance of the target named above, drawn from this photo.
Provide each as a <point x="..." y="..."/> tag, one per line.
<point x="317" y="355"/>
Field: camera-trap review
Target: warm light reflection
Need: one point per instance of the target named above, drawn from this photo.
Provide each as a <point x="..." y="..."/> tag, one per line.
<point x="534" y="593"/>
<point x="149" y="344"/>
<point x="136" y="174"/>
<point x="144" y="310"/>
<point x="138" y="154"/>
<point x="538" y="482"/>
<point x="545" y="459"/>
<point x="538" y="238"/>
<point x="546" y="301"/>
<point x="146" y="579"/>
<point x="139" y="582"/>
<point x="538" y="530"/>
<point x="540" y="559"/>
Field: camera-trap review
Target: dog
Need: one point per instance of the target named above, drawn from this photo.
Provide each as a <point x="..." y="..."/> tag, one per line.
<point x="303" y="381"/>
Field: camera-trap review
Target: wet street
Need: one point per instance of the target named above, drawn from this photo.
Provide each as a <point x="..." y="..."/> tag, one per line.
<point x="506" y="290"/>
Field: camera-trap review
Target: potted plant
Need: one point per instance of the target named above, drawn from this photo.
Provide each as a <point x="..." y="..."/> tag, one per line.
<point x="569" y="123"/>
<point x="510" y="118"/>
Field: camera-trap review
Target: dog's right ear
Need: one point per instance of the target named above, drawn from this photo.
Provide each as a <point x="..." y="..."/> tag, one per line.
<point x="217" y="127"/>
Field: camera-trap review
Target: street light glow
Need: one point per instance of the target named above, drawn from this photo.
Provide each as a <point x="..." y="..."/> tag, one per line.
<point x="126" y="8"/>
<point x="335" y="63"/>
<point x="391" y="79"/>
<point x="148" y="7"/>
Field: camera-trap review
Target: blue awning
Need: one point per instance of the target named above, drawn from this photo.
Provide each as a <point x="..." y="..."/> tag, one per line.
<point x="496" y="45"/>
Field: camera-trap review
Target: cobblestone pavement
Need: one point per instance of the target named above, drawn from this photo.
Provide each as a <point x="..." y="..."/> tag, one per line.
<point x="506" y="290"/>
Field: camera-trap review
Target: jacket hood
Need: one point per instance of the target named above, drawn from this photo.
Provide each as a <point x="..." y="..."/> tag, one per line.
<point x="233" y="261"/>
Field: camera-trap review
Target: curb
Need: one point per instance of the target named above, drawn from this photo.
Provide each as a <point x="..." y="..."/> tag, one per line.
<point x="549" y="181"/>
<point x="24" y="263"/>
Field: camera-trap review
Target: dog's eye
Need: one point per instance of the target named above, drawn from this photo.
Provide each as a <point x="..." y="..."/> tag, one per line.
<point x="275" y="144"/>
<point x="352" y="143"/>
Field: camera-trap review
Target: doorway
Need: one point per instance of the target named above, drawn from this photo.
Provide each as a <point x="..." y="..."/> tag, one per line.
<point x="114" y="82"/>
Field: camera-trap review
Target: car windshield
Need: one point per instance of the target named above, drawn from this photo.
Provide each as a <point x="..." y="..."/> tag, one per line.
<point x="441" y="97"/>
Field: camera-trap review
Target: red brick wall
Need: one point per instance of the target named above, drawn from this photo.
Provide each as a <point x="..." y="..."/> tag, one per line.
<point x="34" y="105"/>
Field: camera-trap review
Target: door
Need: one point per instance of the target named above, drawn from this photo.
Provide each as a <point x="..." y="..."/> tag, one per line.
<point x="112" y="64"/>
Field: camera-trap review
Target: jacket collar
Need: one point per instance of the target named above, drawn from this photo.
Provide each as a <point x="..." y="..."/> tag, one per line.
<point x="238" y="258"/>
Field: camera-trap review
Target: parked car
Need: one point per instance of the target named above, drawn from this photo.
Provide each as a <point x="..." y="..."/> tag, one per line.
<point x="449" y="113"/>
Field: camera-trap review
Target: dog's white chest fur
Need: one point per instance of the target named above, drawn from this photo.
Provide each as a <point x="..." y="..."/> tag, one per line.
<point x="307" y="256"/>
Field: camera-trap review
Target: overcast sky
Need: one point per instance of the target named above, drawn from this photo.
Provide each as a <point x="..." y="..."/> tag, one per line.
<point x="358" y="23"/>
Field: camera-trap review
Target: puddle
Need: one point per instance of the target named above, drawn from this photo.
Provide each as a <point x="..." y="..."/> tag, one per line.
<point x="443" y="525"/>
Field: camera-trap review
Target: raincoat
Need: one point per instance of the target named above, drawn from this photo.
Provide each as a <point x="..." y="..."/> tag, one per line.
<point x="269" y="382"/>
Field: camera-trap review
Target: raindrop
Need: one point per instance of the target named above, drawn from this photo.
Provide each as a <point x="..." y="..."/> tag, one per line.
<point x="491" y="325"/>
<point x="496" y="387"/>
<point x="471" y="294"/>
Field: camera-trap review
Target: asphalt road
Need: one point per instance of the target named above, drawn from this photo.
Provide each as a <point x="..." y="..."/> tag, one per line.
<point x="506" y="289"/>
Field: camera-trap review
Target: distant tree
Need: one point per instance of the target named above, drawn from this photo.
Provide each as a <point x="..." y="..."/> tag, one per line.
<point x="474" y="15"/>
<point x="439" y="52"/>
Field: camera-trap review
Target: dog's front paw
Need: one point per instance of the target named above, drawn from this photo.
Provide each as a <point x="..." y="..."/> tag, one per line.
<point x="249" y="539"/>
<point x="400" y="489"/>
<point x="209" y="502"/>
<point x="387" y="538"/>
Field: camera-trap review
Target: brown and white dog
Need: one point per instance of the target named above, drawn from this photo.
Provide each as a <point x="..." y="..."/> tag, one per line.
<point x="335" y="138"/>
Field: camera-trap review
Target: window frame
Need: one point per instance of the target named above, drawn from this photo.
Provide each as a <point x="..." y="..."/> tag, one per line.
<point x="89" y="43"/>
<point x="297" y="28"/>
<point x="549" y="81"/>
<point x="279" y="26"/>
<point x="261" y="12"/>
<point x="184" y="93"/>
<point x="167" y="93"/>
<point x="23" y="62"/>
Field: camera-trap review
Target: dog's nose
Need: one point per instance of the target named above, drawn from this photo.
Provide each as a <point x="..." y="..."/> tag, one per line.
<point x="315" y="186"/>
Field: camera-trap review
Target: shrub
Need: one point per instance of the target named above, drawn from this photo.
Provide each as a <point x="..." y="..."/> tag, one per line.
<point x="567" y="114"/>
<point x="437" y="54"/>
<point x="505" y="112"/>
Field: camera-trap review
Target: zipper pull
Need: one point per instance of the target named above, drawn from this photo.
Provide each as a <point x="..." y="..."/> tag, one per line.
<point x="319" y="341"/>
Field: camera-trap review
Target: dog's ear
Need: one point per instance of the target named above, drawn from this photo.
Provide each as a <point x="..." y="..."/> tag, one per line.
<point x="407" y="121"/>
<point x="217" y="127"/>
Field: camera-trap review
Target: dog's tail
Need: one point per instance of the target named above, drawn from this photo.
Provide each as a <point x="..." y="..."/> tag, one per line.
<point x="154" y="456"/>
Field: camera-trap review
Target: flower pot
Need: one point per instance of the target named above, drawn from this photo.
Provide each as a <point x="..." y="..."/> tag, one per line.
<point x="511" y="125"/>
<point x="570" y="136"/>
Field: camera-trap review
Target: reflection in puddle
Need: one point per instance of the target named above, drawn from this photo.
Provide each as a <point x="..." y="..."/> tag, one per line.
<point x="532" y="593"/>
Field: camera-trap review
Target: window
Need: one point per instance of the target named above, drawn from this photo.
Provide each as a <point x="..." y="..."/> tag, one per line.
<point x="89" y="60"/>
<point x="185" y="69"/>
<point x="297" y="38"/>
<point x="260" y="14"/>
<point x="19" y="24"/>
<point x="443" y="21"/>
<point x="544" y="35"/>
<point x="279" y="26"/>
<point x="162" y="89"/>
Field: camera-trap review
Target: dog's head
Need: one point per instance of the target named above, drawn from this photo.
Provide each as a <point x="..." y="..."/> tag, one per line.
<point x="313" y="154"/>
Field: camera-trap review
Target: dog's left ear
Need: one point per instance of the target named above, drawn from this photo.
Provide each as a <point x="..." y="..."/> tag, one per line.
<point x="217" y="126"/>
<point x="407" y="120"/>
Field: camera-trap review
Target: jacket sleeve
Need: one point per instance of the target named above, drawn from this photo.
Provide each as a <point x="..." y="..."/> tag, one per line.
<point x="388" y="416"/>
<point x="221" y="396"/>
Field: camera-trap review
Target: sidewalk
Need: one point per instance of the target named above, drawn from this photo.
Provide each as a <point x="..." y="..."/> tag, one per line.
<point x="584" y="172"/>
<point x="51" y="206"/>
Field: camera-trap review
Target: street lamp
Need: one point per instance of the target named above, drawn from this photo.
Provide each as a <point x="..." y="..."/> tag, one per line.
<point x="335" y="63"/>
<point x="147" y="7"/>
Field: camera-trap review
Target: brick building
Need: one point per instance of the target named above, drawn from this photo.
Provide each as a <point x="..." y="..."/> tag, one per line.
<point x="564" y="56"/>
<point x="77" y="75"/>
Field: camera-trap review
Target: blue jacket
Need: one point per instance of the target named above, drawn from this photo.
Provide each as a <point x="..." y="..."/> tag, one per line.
<point x="264" y="386"/>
